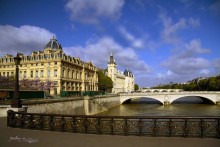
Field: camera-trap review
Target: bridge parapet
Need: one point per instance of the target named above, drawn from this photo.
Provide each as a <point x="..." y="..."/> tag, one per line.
<point x="161" y="90"/>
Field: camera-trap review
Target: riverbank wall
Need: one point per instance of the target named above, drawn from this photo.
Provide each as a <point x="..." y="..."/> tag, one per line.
<point x="75" y="106"/>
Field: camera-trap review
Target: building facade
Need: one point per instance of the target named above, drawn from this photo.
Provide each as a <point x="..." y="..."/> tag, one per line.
<point x="122" y="81"/>
<point x="67" y="73"/>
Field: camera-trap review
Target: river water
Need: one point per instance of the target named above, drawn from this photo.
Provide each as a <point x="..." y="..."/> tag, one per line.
<point x="187" y="106"/>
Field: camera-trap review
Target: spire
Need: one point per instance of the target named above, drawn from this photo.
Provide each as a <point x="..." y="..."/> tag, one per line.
<point x="111" y="60"/>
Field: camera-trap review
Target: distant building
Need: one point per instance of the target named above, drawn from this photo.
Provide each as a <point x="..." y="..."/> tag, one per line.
<point x="122" y="81"/>
<point x="68" y="73"/>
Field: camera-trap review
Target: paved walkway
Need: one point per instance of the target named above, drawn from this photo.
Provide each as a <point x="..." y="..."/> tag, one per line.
<point x="10" y="137"/>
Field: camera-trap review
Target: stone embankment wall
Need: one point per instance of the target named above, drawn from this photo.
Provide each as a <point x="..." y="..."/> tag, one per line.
<point x="100" y="104"/>
<point x="76" y="106"/>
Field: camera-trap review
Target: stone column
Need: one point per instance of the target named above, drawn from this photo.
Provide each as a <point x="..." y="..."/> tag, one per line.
<point x="166" y="103"/>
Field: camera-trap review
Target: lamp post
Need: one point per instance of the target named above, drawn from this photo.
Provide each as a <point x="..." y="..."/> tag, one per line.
<point x="16" y="102"/>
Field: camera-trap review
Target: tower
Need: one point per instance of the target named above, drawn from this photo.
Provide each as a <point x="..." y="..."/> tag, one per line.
<point x="112" y="71"/>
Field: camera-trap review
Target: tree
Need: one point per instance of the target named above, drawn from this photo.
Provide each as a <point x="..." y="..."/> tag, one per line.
<point x="47" y="85"/>
<point x="7" y="82"/>
<point x="105" y="82"/>
<point x="202" y="84"/>
<point x="213" y="85"/>
<point x="136" y="87"/>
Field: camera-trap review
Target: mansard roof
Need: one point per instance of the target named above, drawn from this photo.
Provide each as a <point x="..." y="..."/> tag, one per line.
<point x="128" y="73"/>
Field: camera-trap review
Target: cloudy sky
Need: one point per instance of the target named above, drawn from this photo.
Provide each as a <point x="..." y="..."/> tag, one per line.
<point x="160" y="41"/>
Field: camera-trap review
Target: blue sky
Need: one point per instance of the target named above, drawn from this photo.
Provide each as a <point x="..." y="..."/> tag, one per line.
<point x="160" y="41"/>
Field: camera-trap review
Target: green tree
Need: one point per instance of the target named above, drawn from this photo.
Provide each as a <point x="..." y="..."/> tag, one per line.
<point x="213" y="84"/>
<point x="202" y="84"/>
<point x="136" y="87"/>
<point x="105" y="82"/>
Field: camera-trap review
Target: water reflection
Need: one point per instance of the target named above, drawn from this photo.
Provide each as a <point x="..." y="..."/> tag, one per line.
<point x="187" y="106"/>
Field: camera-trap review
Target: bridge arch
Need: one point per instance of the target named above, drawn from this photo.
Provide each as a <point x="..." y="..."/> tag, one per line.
<point x="205" y="99"/>
<point x="127" y="99"/>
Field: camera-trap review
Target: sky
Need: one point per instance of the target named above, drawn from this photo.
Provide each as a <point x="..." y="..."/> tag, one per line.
<point x="160" y="41"/>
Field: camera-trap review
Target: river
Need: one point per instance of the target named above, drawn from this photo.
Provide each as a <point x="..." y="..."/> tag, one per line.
<point x="187" y="106"/>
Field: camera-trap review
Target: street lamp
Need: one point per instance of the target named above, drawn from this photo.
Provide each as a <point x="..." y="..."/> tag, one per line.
<point x="16" y="102"/>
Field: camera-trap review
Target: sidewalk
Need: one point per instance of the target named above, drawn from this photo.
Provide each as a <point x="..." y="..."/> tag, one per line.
<point x="10" y="137"/>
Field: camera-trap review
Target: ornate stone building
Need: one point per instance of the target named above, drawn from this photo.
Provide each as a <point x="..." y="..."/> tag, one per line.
<point x="122" y="81"/>
<point x="68" y="73"/>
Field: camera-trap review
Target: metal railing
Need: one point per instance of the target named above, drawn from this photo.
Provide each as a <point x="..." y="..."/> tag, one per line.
<point x="155" y="126"/>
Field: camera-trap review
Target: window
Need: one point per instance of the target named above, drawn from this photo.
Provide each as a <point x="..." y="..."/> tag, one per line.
<point x="36" y="64"/>
<point x="48" y="73"/>
<point x="42" y="73"/>
<point x="42" y="64"/>
<point x="3" y="73"/>
<point x="32" y="74"/>
<point x="36" y="74"/>
<point x="55" y="72"/>
<point x="76" y="74"/>
<point x="45" y="56"/>
<point x="63" y="75"/>
<point x="0" y="74"/>
<point x="80" y="74"/>
<point x="86" y="76"/>
<point x="60" y="55"/>
<point x="55" y="63"/>
<point x="24" y="74"/>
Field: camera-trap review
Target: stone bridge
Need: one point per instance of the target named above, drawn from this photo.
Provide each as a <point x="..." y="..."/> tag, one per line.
<point x="167" y="98"/>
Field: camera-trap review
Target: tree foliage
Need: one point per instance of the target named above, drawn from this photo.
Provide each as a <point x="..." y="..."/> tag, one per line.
<point x="136" y="87"/>
<point x="6" y="82"/>
<point x="26" y="84"/>
<point x="105" y="82"/>
<point x="207" y="84"/>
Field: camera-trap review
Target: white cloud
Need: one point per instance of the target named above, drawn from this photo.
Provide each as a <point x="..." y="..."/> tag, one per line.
<point x="187" y="61"/>
<point x="194" y="22"/>
<point x="135" y="42"/>
<point x="99" y="51"/>
<point x="186" y="64"/>
<point x="193" y="48"/>
<point x="24" y="39"/>
<point x="170" y="30"/>
<point x="216" y="64"/>
<point x="90" y="11"/>
<point x="168" y="34"/>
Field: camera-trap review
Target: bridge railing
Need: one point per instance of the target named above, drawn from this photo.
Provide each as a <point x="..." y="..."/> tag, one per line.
<point x="163" y="126"/>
